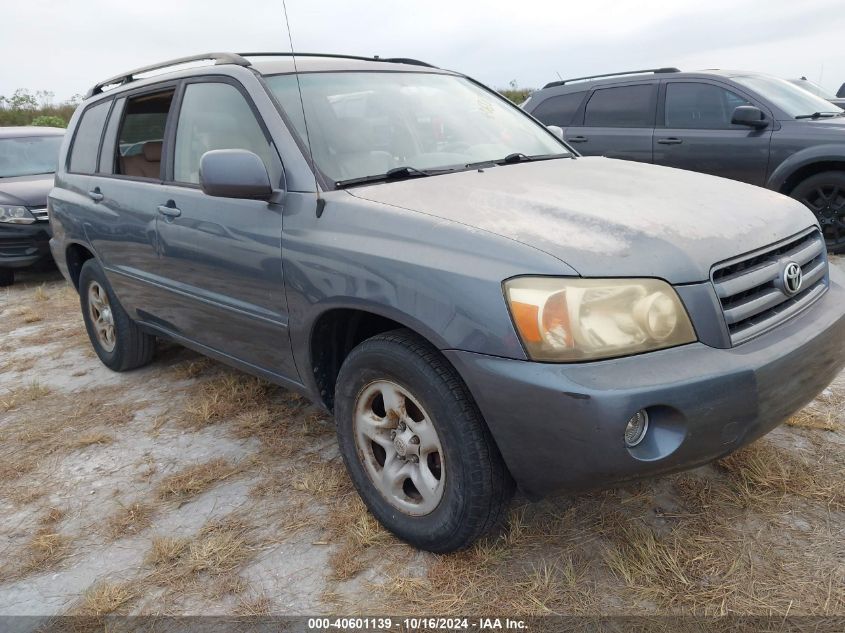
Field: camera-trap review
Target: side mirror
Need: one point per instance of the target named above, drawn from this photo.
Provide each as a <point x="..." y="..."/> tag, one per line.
<point x="841" y="92"/>
<point x="556" y="130"/>
<point x="234" y="173"/>
<point x="750" y="116"/>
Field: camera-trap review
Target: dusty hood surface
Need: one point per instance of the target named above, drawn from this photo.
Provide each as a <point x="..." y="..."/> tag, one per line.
<point x="608" y="217"/>
<point x="28" y="191"/>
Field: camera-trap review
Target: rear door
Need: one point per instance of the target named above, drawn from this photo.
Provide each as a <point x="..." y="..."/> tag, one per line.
<point x="618" y="122"/>
<point x="695" y="132"/>
<point x="221" y="258"/>
<point x="121" y="227"/>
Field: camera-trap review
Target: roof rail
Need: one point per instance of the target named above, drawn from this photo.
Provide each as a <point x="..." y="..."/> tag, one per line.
<point x="629" y="72"/>
<point x="375" y="58"/>
<point x="126" y="77"/>
<point x="238" y="59"/>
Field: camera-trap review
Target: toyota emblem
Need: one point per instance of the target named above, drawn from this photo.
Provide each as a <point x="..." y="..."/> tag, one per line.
<point x="793" y="277"/>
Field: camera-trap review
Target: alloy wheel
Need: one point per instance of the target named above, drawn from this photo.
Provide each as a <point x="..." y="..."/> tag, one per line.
<point x="101" y="316"/>
<point x="399" y="447"/>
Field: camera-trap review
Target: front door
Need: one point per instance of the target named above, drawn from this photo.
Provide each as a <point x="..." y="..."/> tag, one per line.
<point x="221" y="258"/>
<point x="696" y="133"/>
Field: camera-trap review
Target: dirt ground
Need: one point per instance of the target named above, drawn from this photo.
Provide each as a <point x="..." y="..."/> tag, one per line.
<point x="190" y="488"/>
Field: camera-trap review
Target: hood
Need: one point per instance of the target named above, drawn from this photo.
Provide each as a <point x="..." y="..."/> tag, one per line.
<point x="29" y="191"/>
<point x="607" y="217"/>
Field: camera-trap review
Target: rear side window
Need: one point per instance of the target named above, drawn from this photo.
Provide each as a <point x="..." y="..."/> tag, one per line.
<point x="141" y="135"/>
<point x="86" y="142"/>
<point x="625" y="106"/>
<point x="700" y="106"/>
<point x="559" y="110"/>
<point x="214" y="116"/>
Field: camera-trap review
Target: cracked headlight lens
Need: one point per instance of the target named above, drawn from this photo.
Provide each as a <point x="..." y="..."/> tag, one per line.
<point x="15" y="215"/>
<point x="569" y="319"/>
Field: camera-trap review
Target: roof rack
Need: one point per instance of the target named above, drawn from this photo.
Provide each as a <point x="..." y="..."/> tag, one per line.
<point x="375" y="58"/>
<point x="240" y="60"/>
<point x="629" y="72"/>
<point x="125" y="78"/>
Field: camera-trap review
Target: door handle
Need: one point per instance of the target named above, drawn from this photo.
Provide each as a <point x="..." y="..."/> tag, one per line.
<point x="577" y="139"/>
<point x="670" y="141"/>
<point x="96" y="195"/>
<point x="169" y="210"/>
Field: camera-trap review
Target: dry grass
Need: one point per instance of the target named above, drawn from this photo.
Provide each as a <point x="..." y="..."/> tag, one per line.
<point x="30" y="392"/>
<point x="811" y="419"/>
<point x="196" y="479"/>
<point x="96" y="438"/>
<point x="129" y="520"/>
<point x="224" y="396"/>
<point x="254" y="606"/>
<point x="106" y="598"/>
<point x="44" y="551"/>
<point x="41" y="429"/>
<point x="324" y="480"/>
<point x="764" y="472"/>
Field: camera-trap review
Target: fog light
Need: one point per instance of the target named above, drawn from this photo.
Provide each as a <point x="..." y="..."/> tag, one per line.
<point x="636" y="428"/>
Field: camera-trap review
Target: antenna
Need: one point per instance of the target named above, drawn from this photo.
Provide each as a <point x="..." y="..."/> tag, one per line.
<point x="321" y="203"/>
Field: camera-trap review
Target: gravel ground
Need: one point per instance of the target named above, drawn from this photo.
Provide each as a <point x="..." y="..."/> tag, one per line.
<point x="189" y="488"/>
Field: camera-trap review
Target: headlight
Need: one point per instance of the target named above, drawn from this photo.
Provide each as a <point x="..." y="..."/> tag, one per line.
<point x="568" y="319"/>
<point x="15" y="215"/>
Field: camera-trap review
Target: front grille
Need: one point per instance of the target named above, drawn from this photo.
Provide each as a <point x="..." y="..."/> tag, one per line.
<point x="40" y="213"/>
<point x="752" y="290"/>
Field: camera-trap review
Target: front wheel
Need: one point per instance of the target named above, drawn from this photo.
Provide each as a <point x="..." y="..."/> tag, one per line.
<point x="416" y="446"/>
<point x="824" y="195"/>
<point x="7" y="277"/>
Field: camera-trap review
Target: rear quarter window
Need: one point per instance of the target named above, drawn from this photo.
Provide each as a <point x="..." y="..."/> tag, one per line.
<point x="86" y="140"/>
<point x="559" y="110"/>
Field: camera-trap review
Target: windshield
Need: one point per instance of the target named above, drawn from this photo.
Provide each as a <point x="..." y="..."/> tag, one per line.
<point x="29" y="155"/>
<point x="366" y="123"/>
<point x="813" y="88"/>
<point x="796" y="102"/>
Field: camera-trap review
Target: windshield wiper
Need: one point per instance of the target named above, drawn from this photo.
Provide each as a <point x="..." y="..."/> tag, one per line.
<point x="518" y="157"/>
<point x="818" y="115"/>
<point x="397" y="173"/>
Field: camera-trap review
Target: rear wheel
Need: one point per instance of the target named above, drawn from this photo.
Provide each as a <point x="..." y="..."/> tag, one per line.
<point x="416" y="446"/>
<point x="7" y="277"/>
<point x="118" y="341"/>
<point x="824" y="195"/>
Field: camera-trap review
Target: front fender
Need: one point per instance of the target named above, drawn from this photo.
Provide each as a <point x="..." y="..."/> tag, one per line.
<point x="803" y="158"/>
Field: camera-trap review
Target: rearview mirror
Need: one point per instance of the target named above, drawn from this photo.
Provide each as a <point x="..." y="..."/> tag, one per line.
<point x="750" y="116"/>
<point x="234" y="173"/>
<point x="557" y="131"/>
<point x="841" y="92"/>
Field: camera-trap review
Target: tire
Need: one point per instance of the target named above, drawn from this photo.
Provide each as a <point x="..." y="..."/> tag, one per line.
<point x="7" y="277"/>
<point x="128" y="347"/>
<point x="467" y="484"/>
<point x="824" y="195"/>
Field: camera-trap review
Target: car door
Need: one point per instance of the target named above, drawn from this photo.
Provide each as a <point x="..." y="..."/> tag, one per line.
<point x="118" y="221"/>
<point x="618" y="122"/>
<point x="695" y="132"/>
<point x="221" y="258"/>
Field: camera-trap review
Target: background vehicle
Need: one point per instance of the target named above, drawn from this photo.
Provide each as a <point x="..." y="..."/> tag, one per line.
<point x="817" y="90"/>
<point x="477" y="306"/>
<point x="746" y="126"/>
<point x="28" y="157"/>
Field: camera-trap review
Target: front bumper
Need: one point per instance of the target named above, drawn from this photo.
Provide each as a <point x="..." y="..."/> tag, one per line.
<point x="24" y="245"/>
<point x="560" y="426"/>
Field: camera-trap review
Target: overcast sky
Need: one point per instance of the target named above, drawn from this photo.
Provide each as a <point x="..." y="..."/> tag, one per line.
<point x="66" y="46"/>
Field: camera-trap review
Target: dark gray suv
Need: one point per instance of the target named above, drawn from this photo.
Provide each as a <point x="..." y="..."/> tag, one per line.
<point x="478" y="306"/>
<point x="746" y="126"/>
